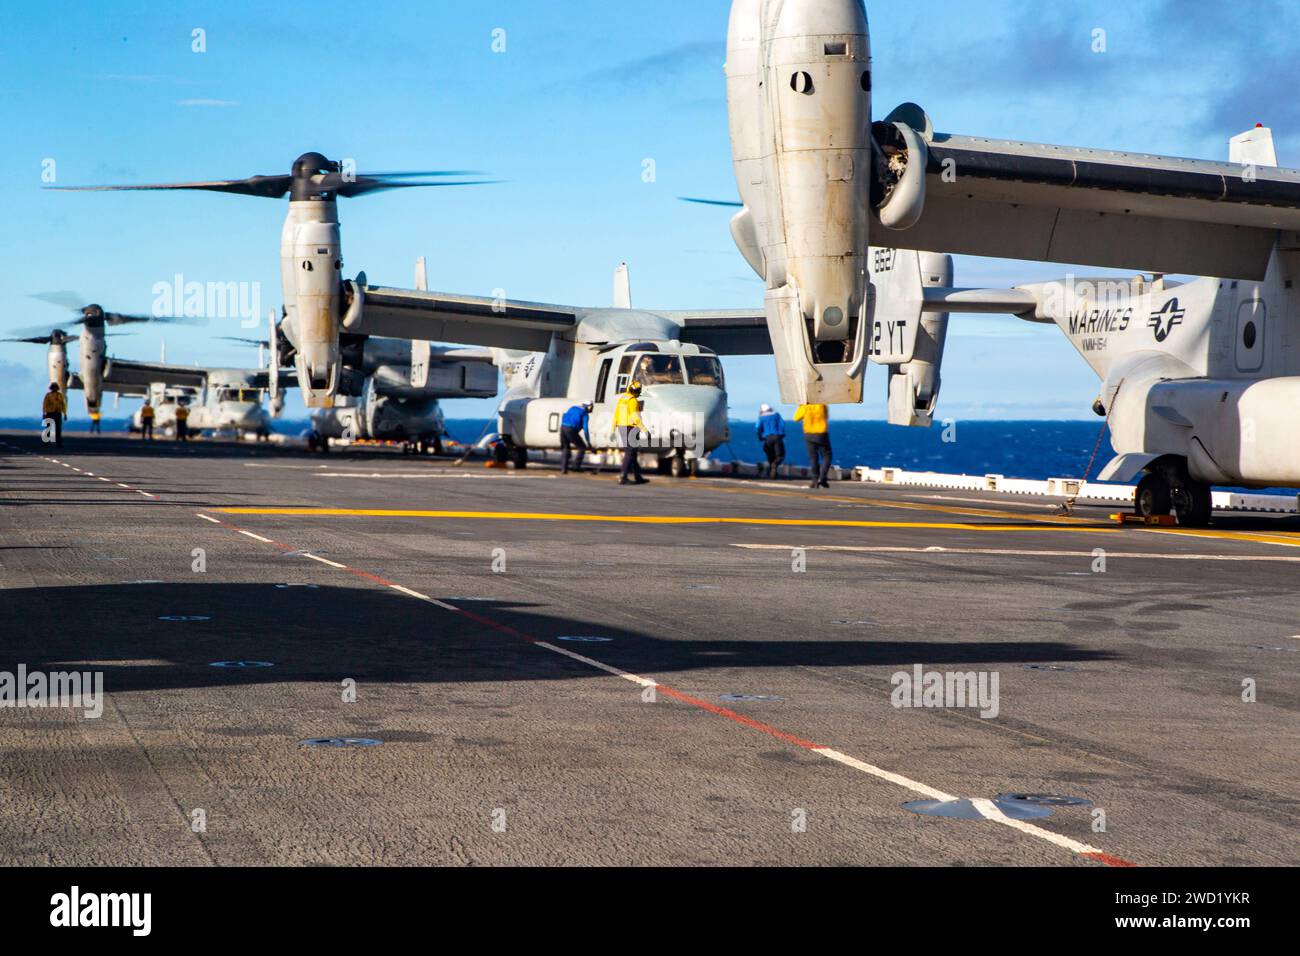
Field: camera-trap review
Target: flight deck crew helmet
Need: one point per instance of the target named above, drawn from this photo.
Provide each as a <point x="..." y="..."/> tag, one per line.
<point x="54" y="386"/>
<point x="765" y="409"/>
<point x="634" y="386"/>
<point x="588" y="406"/>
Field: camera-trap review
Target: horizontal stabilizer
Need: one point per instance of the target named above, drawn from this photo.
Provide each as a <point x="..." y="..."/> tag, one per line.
<point x="982" y="301"/>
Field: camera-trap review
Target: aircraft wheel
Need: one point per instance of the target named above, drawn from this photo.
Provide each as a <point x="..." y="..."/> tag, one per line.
<point x="500" y="453"/>
<point x="1152" y="498"/>
<point x="680" y="469"/>
<point x="663" y="465"/>
<point x="437" y="446"/>
<point x="1193" y="503"/>
<point x="695" y="468"/>
<point x="519" y="456"/>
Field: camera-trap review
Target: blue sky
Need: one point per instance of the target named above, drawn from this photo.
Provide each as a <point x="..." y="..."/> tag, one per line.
<point x="584" y="93"/>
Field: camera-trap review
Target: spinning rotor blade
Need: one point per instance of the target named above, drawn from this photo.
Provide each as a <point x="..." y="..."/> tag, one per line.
<point x="312" y="176"/>
<point x="363" y="185"/>
<point x="269" y="187"/>
<point x="713" y="202"/>
<point x="117" y="318"/>
<point x="64" y="300"/>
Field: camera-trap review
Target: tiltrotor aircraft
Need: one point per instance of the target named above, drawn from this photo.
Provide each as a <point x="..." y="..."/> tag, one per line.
<point x="219" y="399"/>
<point x="554" y="356"/>
<point x="1201" y="380"/>
<point x="391" y="389"/>
<point x="89" y="376"/>
<point x="317" y="299"/>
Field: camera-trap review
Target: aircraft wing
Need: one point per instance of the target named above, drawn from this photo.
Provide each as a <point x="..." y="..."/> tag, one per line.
<point x="1017" y="200"/>
<point x="121" y="372"/>
<point x="726" y="331"/>
<point x="469" y="320"/>
<point x="261" y="378"/>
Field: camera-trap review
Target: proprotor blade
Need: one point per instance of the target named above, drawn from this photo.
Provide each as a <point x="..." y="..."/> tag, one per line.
<point x="713" y="202"/>
<point x="313" y="175"/>
<point x="268" y="187"/>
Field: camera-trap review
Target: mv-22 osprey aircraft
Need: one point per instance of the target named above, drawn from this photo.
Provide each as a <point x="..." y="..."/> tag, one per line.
<point x="220" y="399"/>
<point x="1198" y="378"/>
<point x="94" y="362"/>
<point x="1201" y="382"/>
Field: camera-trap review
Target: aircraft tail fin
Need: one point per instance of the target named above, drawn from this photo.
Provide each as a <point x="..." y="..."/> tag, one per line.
<point x="1253" y="148"/>
<point x="421" y="275"/>
<point x="914" y="375"/>
<point x="622" y="287"/>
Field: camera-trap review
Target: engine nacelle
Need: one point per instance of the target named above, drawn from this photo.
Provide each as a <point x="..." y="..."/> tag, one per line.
<point x="57" y="359"/>
<point x="318" y="262"/>
<point x="799" y="105"/>
<point x="899" y="189"/>
<point x="92" y="366"/>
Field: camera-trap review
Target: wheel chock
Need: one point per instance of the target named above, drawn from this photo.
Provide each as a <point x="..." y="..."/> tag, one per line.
<point x="1163" y="521"/>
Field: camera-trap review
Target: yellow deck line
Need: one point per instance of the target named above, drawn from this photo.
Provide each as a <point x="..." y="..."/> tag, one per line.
<point x="650" y="519"/>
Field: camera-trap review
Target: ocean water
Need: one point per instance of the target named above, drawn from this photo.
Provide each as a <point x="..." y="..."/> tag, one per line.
<point x="1017" y="449"/>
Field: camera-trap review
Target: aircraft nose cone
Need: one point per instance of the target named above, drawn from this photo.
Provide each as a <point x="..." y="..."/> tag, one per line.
<point x="245" y="416"/>
<point x="693" y="417"/>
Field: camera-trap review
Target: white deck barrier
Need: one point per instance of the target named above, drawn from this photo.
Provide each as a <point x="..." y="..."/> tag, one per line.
<point x="1087" y="491"/>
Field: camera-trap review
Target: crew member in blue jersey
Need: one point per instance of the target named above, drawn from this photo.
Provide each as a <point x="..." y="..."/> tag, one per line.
<point x="575" y="432"/>
<point x="771" y="432"/>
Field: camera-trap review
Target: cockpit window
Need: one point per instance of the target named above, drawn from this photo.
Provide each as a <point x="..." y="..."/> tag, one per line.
<point x="704" y="370"/>
<point x="659" y="370"/>
<point x="238" y="395"/>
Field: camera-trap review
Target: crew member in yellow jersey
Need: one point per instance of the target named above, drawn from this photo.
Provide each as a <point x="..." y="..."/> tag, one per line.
<point x="54" y="409"/>
<point x="817" y="438"/>
<point x="627" y="423"/>
<point x="146" y="421"/>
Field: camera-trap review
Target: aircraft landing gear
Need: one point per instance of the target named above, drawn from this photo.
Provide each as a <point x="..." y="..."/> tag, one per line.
<point x="680" y="467"/>
<point x="1193" y="502"/>
<point x="1172" y="489"/>
<point x="1152" y="497"/>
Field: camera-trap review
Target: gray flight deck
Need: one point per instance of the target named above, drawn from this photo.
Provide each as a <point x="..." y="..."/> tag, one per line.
<point x="503" y="743"/>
